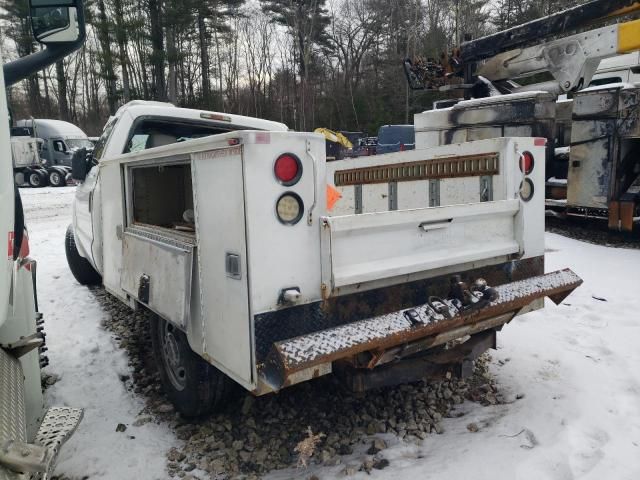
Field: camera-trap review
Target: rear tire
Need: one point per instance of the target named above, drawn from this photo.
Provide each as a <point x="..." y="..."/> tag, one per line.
<point x="194" y="386"/>
<point x="80" y="267"/>
<point x="37" y="179"/>
<point x="56" y="179"/>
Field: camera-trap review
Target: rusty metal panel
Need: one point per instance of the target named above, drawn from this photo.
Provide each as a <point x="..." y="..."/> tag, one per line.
<point x="629" y="117"/>
<point x="601" y="103"/>
<point x="386" y="331"/>
<point x="431" y="366"/>
<point x="627" y="210"/>
<point x="614" y="215"/>
<point x="590" y="167"/>
<point x="448" y="167"/>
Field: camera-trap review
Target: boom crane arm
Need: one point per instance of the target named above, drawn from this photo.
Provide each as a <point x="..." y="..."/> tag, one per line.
<point x="572" y="61"/>
<point x="523" y="50"/>
<point x="557" y="24"/>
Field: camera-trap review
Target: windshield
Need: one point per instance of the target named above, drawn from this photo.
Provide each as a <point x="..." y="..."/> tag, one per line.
<point x="102" y="141"/>
<point x="75" y="143"/>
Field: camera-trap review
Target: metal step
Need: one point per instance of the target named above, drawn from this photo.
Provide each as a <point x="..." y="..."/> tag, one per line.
<point x="12" y="407"/>
<point x="58" y="425"/>
<point x="16" y="455"/>
<point x="308" y="356"/>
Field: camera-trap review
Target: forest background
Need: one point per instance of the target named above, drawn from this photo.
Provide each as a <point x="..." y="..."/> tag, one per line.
<point x="306" y="63"/>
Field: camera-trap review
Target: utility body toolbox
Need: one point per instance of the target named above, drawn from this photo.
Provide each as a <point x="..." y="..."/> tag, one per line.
<point x="280" y="267"/>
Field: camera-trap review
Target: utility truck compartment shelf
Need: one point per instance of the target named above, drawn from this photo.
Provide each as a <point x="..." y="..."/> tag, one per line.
<point x="159" y="271"/>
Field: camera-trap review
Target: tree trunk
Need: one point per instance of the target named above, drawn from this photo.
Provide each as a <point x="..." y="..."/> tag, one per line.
<point x="107" y="58"/>
<point x="63" y="105"/>
<point x="121" y="37"/>
<point x="204" y="57"/>
<point x="159" y="90"/>
<point x="172" y="57"/>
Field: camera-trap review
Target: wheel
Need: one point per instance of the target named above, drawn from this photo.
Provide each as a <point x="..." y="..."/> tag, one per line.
<point x="194" y="386"/>
<point x="80" y="267"/>
<point x="37" y="179"/>
<point x="18" y="178"/>
<point x="56" y="179"/>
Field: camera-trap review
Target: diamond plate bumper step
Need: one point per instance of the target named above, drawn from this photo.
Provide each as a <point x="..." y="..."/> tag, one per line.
<point x="308" y="356"/>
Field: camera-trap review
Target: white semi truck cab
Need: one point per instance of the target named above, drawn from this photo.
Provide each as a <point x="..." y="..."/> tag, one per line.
<point x="30" y="434"/>
<point x="266" y="265"/>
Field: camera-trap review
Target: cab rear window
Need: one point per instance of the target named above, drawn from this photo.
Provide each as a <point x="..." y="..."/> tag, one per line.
<point x="151" y="133"/>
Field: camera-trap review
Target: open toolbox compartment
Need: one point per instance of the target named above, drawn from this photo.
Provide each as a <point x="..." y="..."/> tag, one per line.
<point x="159" y="241"/>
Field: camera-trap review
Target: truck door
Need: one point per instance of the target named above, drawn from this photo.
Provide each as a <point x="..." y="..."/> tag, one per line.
<point x="87" y="218"/>
<point x="58" y="152"/>
<point x="218" y="189"/>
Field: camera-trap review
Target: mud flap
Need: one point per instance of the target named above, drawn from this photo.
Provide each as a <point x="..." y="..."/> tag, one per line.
<point x="301" y="358"/>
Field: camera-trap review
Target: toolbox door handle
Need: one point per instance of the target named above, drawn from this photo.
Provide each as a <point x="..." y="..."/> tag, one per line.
<point x="435" y="224"/>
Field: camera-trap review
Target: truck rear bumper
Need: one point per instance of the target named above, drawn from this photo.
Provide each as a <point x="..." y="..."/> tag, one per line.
<point x="382" y="339"/>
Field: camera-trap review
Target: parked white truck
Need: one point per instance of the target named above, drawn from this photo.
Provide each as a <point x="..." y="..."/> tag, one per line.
<point x="30" y="434"/>
<point x="264" y="264"/>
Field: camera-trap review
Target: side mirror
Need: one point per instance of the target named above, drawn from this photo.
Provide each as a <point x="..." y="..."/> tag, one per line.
<point x="79" y="165"/>
<point x="58" y="24"/>
<point x="54" y="21"/>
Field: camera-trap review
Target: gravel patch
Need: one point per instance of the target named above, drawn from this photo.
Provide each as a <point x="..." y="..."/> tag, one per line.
<point x="592" y="231"/>
<point x="257" y="435"/>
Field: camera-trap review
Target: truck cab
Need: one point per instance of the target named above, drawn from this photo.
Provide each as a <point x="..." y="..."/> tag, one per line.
<point x="59" y="139"/>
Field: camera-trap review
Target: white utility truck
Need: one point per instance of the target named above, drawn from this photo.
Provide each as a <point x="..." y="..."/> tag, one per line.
<point x="264" y="264"/>
<point x="30" y="434"/>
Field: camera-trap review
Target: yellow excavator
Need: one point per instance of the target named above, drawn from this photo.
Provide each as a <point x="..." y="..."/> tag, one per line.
<point x="336" y="143"/>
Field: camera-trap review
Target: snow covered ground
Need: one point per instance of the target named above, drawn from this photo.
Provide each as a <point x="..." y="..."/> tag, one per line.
<point x="87" y="359"/>
<point x="577" y="365"/>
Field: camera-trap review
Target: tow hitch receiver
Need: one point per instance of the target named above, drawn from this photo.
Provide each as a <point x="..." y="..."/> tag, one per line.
<point x="393" y="336"/>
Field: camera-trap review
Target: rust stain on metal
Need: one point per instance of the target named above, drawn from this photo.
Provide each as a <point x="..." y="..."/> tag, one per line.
<point x="447" y="167"/>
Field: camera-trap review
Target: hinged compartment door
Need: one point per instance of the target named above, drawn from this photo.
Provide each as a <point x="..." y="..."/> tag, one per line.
<point x="158" y="273"/>
<point x="376" y="246"/>
<point x="218" y="188"/>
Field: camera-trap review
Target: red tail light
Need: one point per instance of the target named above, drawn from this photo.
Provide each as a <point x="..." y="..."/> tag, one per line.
<point x="526" y="163"/>
<point x="24" y="248"/>
<point x="287" y="169"/>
